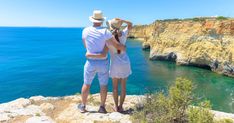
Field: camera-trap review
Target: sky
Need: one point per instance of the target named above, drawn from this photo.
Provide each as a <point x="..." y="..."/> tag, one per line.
<point x="75" y="13"/>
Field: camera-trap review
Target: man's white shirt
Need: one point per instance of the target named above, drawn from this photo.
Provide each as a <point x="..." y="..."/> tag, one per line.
<point x="95" y="39"/>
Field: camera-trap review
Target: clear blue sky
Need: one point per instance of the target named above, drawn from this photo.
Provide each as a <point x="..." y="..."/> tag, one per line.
<point x="75" y="13"/>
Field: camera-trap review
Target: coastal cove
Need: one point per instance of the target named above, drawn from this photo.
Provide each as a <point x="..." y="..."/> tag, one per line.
<point x="49" y="62"/>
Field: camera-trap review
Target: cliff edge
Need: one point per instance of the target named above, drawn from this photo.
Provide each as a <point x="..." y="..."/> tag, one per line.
<point x="202" y="42"/>
<point x="39" y="109"/>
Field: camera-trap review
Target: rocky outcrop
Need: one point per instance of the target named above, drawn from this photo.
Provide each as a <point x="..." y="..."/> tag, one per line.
<point x="41" y="109"/>
<point x="206" y="43"/>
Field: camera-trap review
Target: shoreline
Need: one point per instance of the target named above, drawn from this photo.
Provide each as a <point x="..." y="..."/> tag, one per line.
<point x="64" y="109"/>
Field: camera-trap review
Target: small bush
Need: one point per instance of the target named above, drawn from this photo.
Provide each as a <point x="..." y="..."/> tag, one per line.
<point x="198" y="19"/>
<point x="173" y="107"/>
<point x="38" y="114"/>
<point x="225" y="121"/>
<point x="201" y="114"/>
<point x="221" y="18"/>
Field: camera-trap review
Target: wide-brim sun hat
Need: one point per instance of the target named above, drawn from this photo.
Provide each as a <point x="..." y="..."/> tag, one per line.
<point x="97" y="17"/>
<point x="113" y="24"/>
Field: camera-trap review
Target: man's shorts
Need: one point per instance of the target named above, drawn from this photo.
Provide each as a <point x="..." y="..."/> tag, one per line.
<point x="101" y="67"/>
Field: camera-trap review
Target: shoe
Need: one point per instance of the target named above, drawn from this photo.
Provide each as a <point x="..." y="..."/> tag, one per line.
<point x="81" y="108"/>
<point x="102" y="109"/>
<point x="120" y="109"/>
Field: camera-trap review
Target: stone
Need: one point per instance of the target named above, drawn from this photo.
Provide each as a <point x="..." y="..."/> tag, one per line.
<point x="43" y="119"/>
<point x="46" y="106"/>
<point x="37" y="98"/>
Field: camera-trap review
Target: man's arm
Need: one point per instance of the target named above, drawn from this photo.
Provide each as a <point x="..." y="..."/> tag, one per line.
<point x="84" y="42"/>
<point x="116" y="44"/>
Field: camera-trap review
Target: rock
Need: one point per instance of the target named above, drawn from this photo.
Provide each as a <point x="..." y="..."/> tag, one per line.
<point x="19" y="103"/>
<point x="207" y="44"/>
<point x="116" y="116"/>
<point x="146" y="46"/>
<point x="36" y="119"/>
<point x="4" y="117"/>
<point x="46" y="106"/>
<point x="37" y="98"/>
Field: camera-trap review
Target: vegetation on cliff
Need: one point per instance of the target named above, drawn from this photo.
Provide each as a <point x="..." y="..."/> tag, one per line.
<point x="175" y="107"/>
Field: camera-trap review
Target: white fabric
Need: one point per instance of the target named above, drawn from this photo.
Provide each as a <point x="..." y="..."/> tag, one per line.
<point x="95" y="39"/>
<point x="120" y="66"/>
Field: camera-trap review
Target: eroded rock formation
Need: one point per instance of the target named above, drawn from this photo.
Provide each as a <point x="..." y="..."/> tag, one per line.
<point x="206" y="43"/>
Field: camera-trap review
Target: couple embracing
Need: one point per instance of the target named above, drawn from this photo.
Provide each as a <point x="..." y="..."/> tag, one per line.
<point x="98" y="41"/>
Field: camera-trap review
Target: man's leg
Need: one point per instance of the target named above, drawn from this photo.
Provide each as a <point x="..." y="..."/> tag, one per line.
<point x="115" y="92"/>
<point x="85" y="93"/>
<point x="103" y="92"/>
<point x="103" y="77"/>
<point x="89" y="73"/>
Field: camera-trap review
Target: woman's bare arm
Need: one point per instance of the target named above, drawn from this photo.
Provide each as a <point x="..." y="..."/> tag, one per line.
<point x="101" y="55"/>
<point x="127" y="22"/>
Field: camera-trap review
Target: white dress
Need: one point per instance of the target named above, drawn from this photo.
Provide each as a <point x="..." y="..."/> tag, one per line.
<point x="120" y="66"/>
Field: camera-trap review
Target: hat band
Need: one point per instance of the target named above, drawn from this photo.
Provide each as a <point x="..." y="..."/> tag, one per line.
<point x="98" y="19"/>
<point x="112" y="26"/>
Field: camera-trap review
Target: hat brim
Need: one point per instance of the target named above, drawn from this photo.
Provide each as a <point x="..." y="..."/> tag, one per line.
<point x="109" y="25"/>
<point x="96" y="21"/>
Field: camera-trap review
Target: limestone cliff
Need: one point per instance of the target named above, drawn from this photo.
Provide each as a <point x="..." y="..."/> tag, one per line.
<point x="202" y="42"/>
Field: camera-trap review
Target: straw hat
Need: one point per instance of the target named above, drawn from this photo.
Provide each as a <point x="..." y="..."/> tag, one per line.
<point x="97" y="17"/>
<point x="113" y="24"/>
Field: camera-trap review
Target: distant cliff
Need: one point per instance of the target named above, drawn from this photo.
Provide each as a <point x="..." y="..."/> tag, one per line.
<point x="201" y="42"/>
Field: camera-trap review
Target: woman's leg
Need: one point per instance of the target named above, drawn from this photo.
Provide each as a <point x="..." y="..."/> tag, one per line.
<point x="123" y="93"/>
<point x="115" y="92"/>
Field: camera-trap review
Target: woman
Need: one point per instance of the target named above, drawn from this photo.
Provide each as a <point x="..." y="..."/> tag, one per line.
<point x="120" y="67"/>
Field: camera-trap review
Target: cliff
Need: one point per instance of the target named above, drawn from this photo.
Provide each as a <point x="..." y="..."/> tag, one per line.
<point x="201" y="42"/>
<point x="39" y="109"/>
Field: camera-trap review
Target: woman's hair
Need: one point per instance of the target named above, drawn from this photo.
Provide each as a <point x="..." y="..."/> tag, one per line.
<point x="115" y="33"/>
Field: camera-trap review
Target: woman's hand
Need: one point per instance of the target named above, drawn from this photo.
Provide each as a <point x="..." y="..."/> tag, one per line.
<point x="125" y="21"/>
<point x="89" y="55"/>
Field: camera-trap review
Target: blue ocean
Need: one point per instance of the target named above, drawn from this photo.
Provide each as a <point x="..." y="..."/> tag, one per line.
<point x="50" y="61"/>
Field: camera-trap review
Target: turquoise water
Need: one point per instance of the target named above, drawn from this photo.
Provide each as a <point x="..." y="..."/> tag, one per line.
<point x="49" y="62"/>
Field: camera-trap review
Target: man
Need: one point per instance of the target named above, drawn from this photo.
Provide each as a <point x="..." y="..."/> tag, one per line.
<point x="95" y="38"/>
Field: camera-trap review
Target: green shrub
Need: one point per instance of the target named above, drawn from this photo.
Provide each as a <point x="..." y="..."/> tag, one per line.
<point x="173" y="107"/>
<point x="198" y="19"/>
<point x="38" y="114"/>
<point x="225" y="121"/>
<point x="221" y="18"/>
<point x="201" y="114"/>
